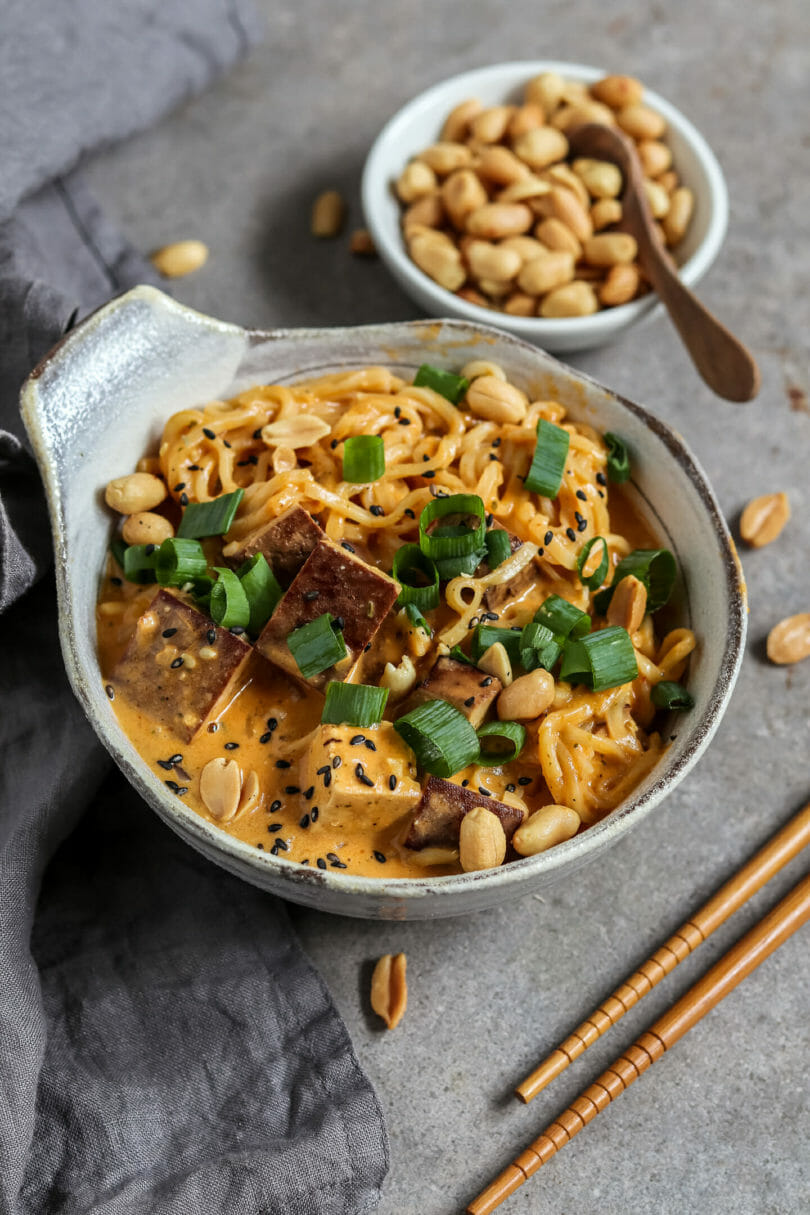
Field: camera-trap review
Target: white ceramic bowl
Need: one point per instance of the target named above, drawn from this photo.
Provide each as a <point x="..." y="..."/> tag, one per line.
<point x="417" y="125"/>
<point x="101" y="397"/>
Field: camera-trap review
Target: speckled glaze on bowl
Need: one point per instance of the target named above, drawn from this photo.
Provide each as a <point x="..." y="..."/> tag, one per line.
<point x="417" y="125"/>
<point x="100" y="398"/>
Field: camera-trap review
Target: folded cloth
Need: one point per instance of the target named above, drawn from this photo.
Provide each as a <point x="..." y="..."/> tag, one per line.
<point x="165" y="1047"/>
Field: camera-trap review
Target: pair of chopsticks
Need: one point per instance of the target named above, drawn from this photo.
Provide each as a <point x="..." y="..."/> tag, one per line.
<point x="756" y="945"/>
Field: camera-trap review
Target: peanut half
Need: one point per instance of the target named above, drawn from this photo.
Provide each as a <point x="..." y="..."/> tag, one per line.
<point x="628" y="606"/>
<point x="179" y="259"/>
<point x="481" y="841"/>
<point x="389" y="988"/>
<point x="789" y="641"/>
<point x="763" y="519"/>
<point x="328" y="214"/>
<point x="221" y="788"/>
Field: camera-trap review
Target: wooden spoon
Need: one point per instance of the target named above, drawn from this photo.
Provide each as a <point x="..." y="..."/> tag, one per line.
<point x="724" y="363"/>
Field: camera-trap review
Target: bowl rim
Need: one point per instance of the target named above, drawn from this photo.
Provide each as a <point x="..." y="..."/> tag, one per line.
<point x="600" y="324"/>
<point x="232" y="853"/>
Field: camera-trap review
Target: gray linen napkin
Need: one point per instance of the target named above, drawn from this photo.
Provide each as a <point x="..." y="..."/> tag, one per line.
<point x="164" y="1045"/>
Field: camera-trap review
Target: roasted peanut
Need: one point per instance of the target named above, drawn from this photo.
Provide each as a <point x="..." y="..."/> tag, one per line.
<point x="554" y="234"/>
<point x="389" y="988"/>
<point x="544" y="273"/>
<point x="763" y="519"/>
<point x="283" y="459"/>
<point x="481" y="841"/>
<point x="669" y="180"/>
<point x="490" y="125"/>
<point x="527" y="188"/>
<point x="144" y="527"/>
<point x="561" y="175"/>
<point x="527" y="696"/>
<point x="134" y="493"/>
<point x="401" y="678"/>
<point x="251" y="793"/>
<point x="657" y="199"/>
<point x="545" y="828"/>
<point x="789" y="641"/>
<point x="457" y="123"/>
<point x="492" y="261"/>
<point x="620" y="286"/>
<point x="427" y="857"/>
<point x="526" y="247"/>
<point x="415" y="180"/>
<point x="495" y="288"/>
<point x="520" y="304"/>
<point x="602" y="179"/>
<point x="525" y="118"/>
<point x="480" y="367"/>
<point x="610" y="248"/>
<point x="676" y="221"/>
<point x="444" y="158"/>
<point x="541" y="147"/>
<point x="495" y="661"/>
<point x="496" y="400"/>
<point x="499" y="165"/>
<point x="426" y="212"/>
<point x="640" y="122"/>
<point x="655" y="157"/>
<point x="628" y="605"/>
<point x="473" y="297"/>
<point x="298" y="430"/>
<point x="583" y="111"/>
<point x="567" y="208"/>
<point x="618" y="91"/>
<point x="439" y="259"/>
<point x="496" y="220"/>
<point x="577" y="298"/>
<point x="221" y="787"/>
<point x="361" y="244"/>
<point x="546" y="91"/>
<point x="179" y="259"/>
<point x="328" y="214"/>
<point x="605" y="212"/>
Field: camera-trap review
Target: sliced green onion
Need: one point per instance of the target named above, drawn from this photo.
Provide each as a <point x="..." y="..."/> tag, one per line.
<point x="618" y="459"/>
<point x="538" y="646"/>
<point x="409" y="563"/>
<point x="451" y="541"/>
<point x="201" y="590"/>
<point x="485" y="635"/>
<point x="512" y="732"/>
<point x="499" y="547"/>
<point x="417" y="619"/>
<point x="440" y="736"/>
<point x="316" y="646"/>
<point x="209" y="518"/>
<point x="180" y="561"/>
<point x="451" y="567"/>
<point x="139" y="563"/>
<point x="611" y="657"/>
<point x="563" y="618"/>
<point x="353" y="704"/>
<point x="451" y="387"/>
<point x="363" y="459"/>
<point x="655" y="567"/>
<point x="262" y="589"/>
<point x="598" y="576"/>
<point x="575" y="666"/>
<point x="458" y="655"/>
<point x="118" y="547"/>
<point x="548" y="462"/>
<point x="670" y="695"/>
<point x="228" y="604"/>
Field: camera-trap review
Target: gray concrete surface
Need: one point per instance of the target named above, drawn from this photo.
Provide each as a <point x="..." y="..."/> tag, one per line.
<point x="721" y="1125"/>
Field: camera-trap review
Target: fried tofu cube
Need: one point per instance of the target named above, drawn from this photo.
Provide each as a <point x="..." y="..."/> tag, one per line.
<point x="465" y="687"/>
<point x="179" y="666"/>
<point x="286" y="542"/>
<point x="367" y="772"/>
<point x="443" y="804"/>
<point x="332" y="580"/>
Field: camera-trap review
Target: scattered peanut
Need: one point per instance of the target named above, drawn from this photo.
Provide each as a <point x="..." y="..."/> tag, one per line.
<point x="789" y="641"/>
<point x="144" y="527"/>
<point x="605" y="212"/>
<point x="299" y="430"/>
<point x="545" y="828"/>
<point x="221" y="787"/>
<point x="527" y="697"/>
<point x="179" y="259"/>
<point x="628" y="606"/>
<point x="495" y="661"/>
<point x="457" y="123"/>
<point x="640" y="122"/>
<point x="763" y="519"/>
<point x="134" y="493"/>
<point x="389" y="988"/>
<point x="481" y="841"/>
<point x="494" y="399"/>
<point x="480" y="367"/>
<point x="361" y="244"/>
<point x="401" y="678"/>
<point x="328" y="214"/>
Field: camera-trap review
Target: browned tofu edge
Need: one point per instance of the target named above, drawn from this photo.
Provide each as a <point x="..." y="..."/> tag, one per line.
<point x="459" y="683"/>
<point x="437" y="817"/>
<point x="285" y="541"/>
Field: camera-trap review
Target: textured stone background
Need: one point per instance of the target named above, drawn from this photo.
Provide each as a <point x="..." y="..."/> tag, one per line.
<point x="722" y="1124"/>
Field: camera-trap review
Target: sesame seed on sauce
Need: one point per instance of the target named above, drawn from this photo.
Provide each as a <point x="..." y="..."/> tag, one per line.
<point x="110" y="690"/>
<point x="510" y="788"/>
<point x="376" y="510"/>
<point x="338" y="623"/>
<point x="570" y="533"/>
<point x="469" y="702"/>
<point x="313" y="814"/>
<point x="304" y="821"/>
<point x="321" y="863"/>
<point x="484" y="792"/>
<point x="336" y="863"/>
<point x="397" y="411"/>
<point x="280" y="845"/>
<point x="333" y="444"/>
<point x="260" y="846"/>
<point x="370" y="745"/>
<point x="356" y="739"/>
<point x="583" y="497"/>
<point x="211" y="636"/>
<point x="166" y="764"/>
<point x="178" y="662"/>
<point x="173" y="785"/>
<point x="540" y="552"/>
<point x="336" y="761"/>
<point x="496" y="442"/>
<point x="360" y="773"/>
<point x="485" y="682"/>
<point x="183" y="499"/>
<point x="524" y="780"/>
<point x="327" y="779"/>
<point x="116" y="581"/>
<point x="430" y="472"/>
<point x="366" y="648"/>
<point x="257" y="434"/>
<point x="180" y="485"/>
<point x="464" y="784"/>
<point x="273" y="827"/>
<point x="225" y="443"/>
<point x="380" y="856"/>
<point x="236" y="630"/>
<point x="492" y="456"/>
<point x="182" y="790"/>
<point x="272" y="724"/>
<point x="392" y="782"/>
<point x="209" y="434"/>
<point x="310" y="595"/>
<point x="231" y="746"/>
<point x="176" y="759"/>
<point x="212" y="729"/>
<point x="283" y="763"/>
<point x="601" y="479"/>
<point x="404" y="421"/>
<point x="292" y="789"/>
<point x="265" y="738"/>
<point x="601" y="495"/>
<point x="309" y="793"/>
<point x="168" y="632"/>
<point x="348" y="547"/>
<point x="582" y="522"/>
<point x="549" y="536"/>
<point x="305" y="861"/>
<point x="425" y="459"/>
<point x="274" y="809"/>
<point x="411" y="514"/>
<point x="323" y="770"/>
<point x="489" y="615"/>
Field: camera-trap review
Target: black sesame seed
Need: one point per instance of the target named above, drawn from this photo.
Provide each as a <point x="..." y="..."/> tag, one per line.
<point x="380" y="856"/>
<point x="310" y="595"/>
<point x="313" y="814"/>
<point x="209" y="434"/>
<point x="280" y="846"/>
<point x="348" y="547"/>
<point x="168" y="632"/>
<point x="489" y="615"/>
<point x="110" y="690"/>
<point x="583" y="497"/>
<point x="193" y="468"/>
<point x="392" y="782"/>
<point x="274" y="809"/>
<point x="178" y="662"/>
<point x="333" y="444"/>
<point x="411" y="514"/>
<point x="484" y="792"/>
<point x="485" y="682"/>
<point x="333" y="858"/>
<point x="361" y="776"/>
<point x="212" y="729"/>
<point x="274" y="849"/>
<point x="150" y="548"/>
<point x="211" y="636"/>
<point x="581" y="524"/>
<point x="336" y="761"/>
<point x="231" y="746"/>
<point x="370" y="745"/>
<point x="472" y="623"/>
<point x="237" y="630"/>
<point x="292" y="789"/>
<point x="242" y="463"/>
<point x="165" y="764"/>
<point x="181" y="792"/>
<point x="321" y="863"/>
<point x="540" y="552"/>
<point x="464" y="784"/>
<point x="321" y="771"/>
<point x="429" y="473"/>
<point x="176" y="759"/>
<point x="524" y="780"/>
<point x="469" y="702"/>
<point x="225" y="443"/>
<point x="510" y="788"/>
<point x="404" y="421"/>
<point x="116" y="581"/>
<point x="305" y="861"/>
<point x="309" y="793"/>
<point x="273" y="827"/>
<point x="338" y="623"/>
<point x="304" y="821"/>
<point x="265" y="738"/>
<point x="272" y="723"/>
<point x="397" y="411"/>
<point x="183" y="499"/>
<point x="327" y="779"/>
<point x="356" y="739"/>
<point x="173" y="785"/>
<point x="549" y="536"/>
<point x="492" y="457"/>
<point x="376" y="510"/>
<point x="425" y="459"/>
<point x="336" y="864"/>
<point x="257" y="434"/>
<point x="260" y="847"/>
<point x="282" y="763"/>
<point x="366" y="648"/>
<point x="601" y="495"/>
<point x="180" y="485"/>
<point x="570" y="533"/>
<point x="601" y="479"/>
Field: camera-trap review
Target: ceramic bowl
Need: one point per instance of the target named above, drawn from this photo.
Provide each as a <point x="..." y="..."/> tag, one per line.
<point x="417" y="125"/>
<point x="101" y="397"/>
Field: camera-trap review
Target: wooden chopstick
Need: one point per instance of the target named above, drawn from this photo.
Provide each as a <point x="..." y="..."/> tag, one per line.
<point x="741" y="959"/>
<point x="780" y="849"/>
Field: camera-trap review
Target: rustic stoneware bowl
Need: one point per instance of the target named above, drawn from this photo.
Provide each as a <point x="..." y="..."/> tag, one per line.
<point x="417" y="125"/>
<point x="100" y="398"/>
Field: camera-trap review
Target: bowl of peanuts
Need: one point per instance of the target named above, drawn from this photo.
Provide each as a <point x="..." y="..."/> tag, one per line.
<point x="479" y="210"/>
